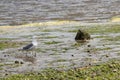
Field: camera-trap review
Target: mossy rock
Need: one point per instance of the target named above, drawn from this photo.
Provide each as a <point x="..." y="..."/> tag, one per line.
<point x="82" y="36"/>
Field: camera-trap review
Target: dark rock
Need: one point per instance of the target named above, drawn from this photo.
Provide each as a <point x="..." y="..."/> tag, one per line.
<point x="82" y="36"/>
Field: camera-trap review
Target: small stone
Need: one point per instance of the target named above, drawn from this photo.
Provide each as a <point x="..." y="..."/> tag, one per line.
<point x="16" y="62"/>
<point x="89" y="45"/>
<point x="6" y="74"/>
<point x="107" y="55"/>
<point x="90" y="54"/>
<point x="115" y="70"/>
<point x="38" y="73"/>
<point x="77" y="49"/>
<point x="88" y="51"/>
<point x="89" y="64"/>
<point x="5" y="55"/>
<point x="72" y="55"/>
<point x="21" y="62"/>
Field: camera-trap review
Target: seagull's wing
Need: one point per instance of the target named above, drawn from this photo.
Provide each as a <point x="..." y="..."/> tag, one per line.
<point x="28" y="47"/>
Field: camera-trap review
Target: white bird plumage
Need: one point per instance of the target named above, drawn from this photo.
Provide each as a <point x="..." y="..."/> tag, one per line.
<point x="34" y="42"/>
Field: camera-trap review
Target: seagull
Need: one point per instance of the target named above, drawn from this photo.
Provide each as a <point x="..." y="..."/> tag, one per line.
<point x="32" y="45"/>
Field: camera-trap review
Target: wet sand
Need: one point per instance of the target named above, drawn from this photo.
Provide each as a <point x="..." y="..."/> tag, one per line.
<point x="56" y="47"/>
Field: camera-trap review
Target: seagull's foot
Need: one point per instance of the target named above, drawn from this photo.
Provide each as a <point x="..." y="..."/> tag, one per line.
<point x="35" y="54"/>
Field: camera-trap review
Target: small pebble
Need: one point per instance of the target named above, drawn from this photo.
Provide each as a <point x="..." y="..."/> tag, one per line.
<point x="89" y="45"/>
<point x="4" y="55"/>
<point x="107" y="55"/>
<point x="16" y="62"/>
<point x="115" y="70"/>
<point x="90" y="64"/>
<point x="21" y="62"/>
<point x="72" y="55"/>
<point x="88" y="51"/>
<point x="6" y="74"/>
<point x="38" y="73"/>
<point x="90" y="54"/>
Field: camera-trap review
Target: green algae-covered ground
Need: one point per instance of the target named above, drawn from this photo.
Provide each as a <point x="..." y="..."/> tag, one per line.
<point x="105" y="71"/>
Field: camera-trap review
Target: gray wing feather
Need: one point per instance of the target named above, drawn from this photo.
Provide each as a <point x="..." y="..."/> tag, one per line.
<point x="28" y="47"/>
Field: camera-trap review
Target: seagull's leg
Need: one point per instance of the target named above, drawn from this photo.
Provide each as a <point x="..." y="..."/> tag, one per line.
<point x="26" y="54"/>
<point x="35" y="54"/>
<point x="31" y="52"/>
